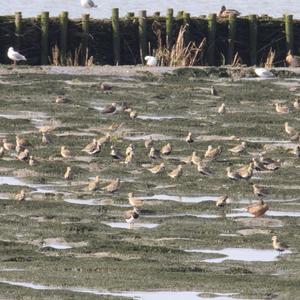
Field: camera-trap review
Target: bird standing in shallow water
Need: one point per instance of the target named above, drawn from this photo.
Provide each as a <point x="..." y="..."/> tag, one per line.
<point x="258" y="209"/>
<point x="221" y="201"/>
<point x="277" y="245"/>
<point x="131" y="216"/>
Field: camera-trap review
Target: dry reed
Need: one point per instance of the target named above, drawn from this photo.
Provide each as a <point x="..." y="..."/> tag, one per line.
<point x="179" y="54"/>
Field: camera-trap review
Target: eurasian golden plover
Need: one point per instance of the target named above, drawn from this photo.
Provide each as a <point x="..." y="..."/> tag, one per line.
<point x="166" y="150"/>
<point x="177" y="172"/>
<point x="258" y="209"/>
<point x="277" y="245"/>
<point x="113" y="186"/>
<point x="157" y="169"/>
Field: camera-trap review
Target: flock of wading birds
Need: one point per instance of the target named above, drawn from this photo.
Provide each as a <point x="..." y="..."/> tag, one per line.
<point x="261" y="163"/>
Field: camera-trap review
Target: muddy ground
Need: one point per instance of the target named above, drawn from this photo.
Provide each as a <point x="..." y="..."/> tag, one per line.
<point x="65" y="242"/>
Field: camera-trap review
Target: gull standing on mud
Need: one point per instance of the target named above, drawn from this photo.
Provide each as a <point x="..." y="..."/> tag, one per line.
<point x="151" y="61"/>
<point x="15" y="56"/>
<point x="88" y="4"/>
<point x="263" y="73"/>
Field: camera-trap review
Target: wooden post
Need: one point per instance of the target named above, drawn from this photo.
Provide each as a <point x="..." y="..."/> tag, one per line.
<point x="179" y="14"/>
<point x="85" y="37"/>
<point x="116" y="35"/>
<point x="169" y="28"/>
<point x="289" y="33"/>
<point x="63" y="18"/>
<point x="231" y="38"/>
<point x="143" y="34"/>
<point x="253" y="39"/>
<point x="130" y="15"/>
<point x="44" y="37"/>
<point x="186" y="23"/>
<point x="18" y="29"/>
<point x="212" y="26"/>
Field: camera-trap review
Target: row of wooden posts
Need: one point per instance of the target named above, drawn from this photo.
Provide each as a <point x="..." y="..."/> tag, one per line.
<point x="142" y="21"/>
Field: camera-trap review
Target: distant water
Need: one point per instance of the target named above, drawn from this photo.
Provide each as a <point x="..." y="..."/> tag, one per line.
<point x="31" y="8"/>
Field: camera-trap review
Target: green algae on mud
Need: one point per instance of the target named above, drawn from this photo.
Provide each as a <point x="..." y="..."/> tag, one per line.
<point x="146" y="259"/>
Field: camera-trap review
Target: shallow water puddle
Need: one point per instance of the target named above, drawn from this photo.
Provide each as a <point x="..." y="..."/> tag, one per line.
<point x="87" y="202"/>
<point x="57" y="245"/>
<point x="185" y="199"/>
<point x="151" y="295"/>
<point x="243" y="254"/>
<point x="10" y="180"/>
<point x="159" y="118"/>
<point x="155" y="137"/>
<point x="124" y="225"/>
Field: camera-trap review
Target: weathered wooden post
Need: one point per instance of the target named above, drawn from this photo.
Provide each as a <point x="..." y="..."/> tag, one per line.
<point x="143" y="34"/>
<point x="63" y="18"/>
<point x="186" y="24"/>
<point x="18" y="29"/>
<point x="130" y="15"/>
<point x="289" y="33"/>
<point x="253" y="39"/>
<point x="179" y="15"/>
<point x="169" y="28"/>
<point x="116" y="35"/>
<point x="231" y="38"/>
<point x="212" y="26"/>
<point x="85" y="19"/>
<point x="44" y="37"/>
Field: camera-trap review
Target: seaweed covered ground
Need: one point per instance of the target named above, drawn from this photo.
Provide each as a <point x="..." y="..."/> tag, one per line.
<point x="65" y="242"/>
